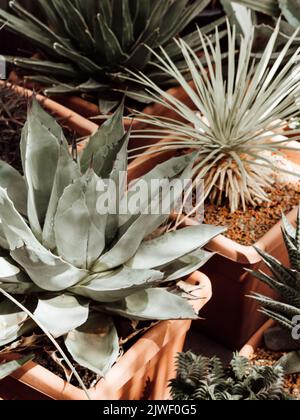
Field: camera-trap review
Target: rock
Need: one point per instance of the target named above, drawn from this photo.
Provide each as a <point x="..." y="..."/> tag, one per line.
<point x="279" y="339"/>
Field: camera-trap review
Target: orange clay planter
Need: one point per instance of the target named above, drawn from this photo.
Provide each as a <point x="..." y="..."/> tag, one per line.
<point x="143" y="372"/>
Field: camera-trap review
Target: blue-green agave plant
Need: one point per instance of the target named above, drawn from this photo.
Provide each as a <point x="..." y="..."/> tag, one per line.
<point x="75" y="268"/>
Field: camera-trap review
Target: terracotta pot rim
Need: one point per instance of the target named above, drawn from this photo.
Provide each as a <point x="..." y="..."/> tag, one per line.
<point x="46" y="382"/>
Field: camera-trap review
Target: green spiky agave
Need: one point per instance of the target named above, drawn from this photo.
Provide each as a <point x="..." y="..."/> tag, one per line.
<point x="286" y="282"/>
<point x="73" y="266"/>
<point x="232" y="116"/>
<point x="87" y="44"/>
<point x="200" y="378"/>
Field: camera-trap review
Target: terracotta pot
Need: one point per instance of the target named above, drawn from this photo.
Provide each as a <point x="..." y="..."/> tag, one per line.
<point x="256" y="340"/>
<point x="231" y="284"/>
<point x="143" y="372"/>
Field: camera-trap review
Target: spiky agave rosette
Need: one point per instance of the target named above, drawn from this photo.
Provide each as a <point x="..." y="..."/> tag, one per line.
<point x="239" y="112"/>
<point x="86" y="45"/>
<point x="74" y="267"/>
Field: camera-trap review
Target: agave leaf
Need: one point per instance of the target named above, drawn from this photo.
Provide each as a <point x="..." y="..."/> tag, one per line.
<point x="9" y="273"/>
<point x="8" y="368"/>
<point x="40" y="151"/>
<point x="47" y="120"/>
<point x="288" y="227"/>
<point x="46" y="270"/>
<point x="3" y="242"/>
<point x="26" y="29"/>
<point x="111" y="45"/>
<point x="46" y="67"/>
<point x="119" y="168"/>
<point x="61" y="314"/>
<point x="173" y="245"/>
<point x="13" y="323"/>
<point x="15" y="185"/>
<point x="287" y="292"/>
<point x="282" y="320"/>
<point x="290" y="363"/>
<point x="127" y="245"/>
<point x="14" y="227"/>
<point x="67" y="171"/>
<point x="123" y="32"/>
<point x="167" y="170"/>
<point x="84" y="63"/>
<point x="22" y="12"/>
<point x="268" y="7"/>
<point x="104" y="145"/>
<point x="186" y="265"/>
<point x="294" y="254"/>
<point x="79" y="228"/>
<point x="114" y="286"/>
<point x="93" y="85"/>
<point x="60" y="89"/>
<point x="106" y="105"/>
<point x="157" y="304"/>
<point x="281" y="273"/>
<point x="76" y="24"/>
<point x="95" y="345"/>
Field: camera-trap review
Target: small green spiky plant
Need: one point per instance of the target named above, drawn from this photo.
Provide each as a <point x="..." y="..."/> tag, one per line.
<point x="201" y="378"/>
<point x="237" y="118"/>
<point x="87" y="45"/>
<point x="286" y="282"/>
<point x="74" y="267"/>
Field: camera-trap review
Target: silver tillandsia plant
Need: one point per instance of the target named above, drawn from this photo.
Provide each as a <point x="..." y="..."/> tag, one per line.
<point x="74" y="268"/>
<point x="238" y="117"/>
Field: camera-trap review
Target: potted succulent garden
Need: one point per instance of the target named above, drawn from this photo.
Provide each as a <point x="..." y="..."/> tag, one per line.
<point x="249" y="165"/>
<point x="71" y="271"/>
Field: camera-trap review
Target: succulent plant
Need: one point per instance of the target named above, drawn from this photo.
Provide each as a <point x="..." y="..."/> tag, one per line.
<point x="87" y="45"/>
<point x="286" y="282"/>
<point x="237" y="117"/>
<point x="71" y="265"/>
<point x="201" y="378"/>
